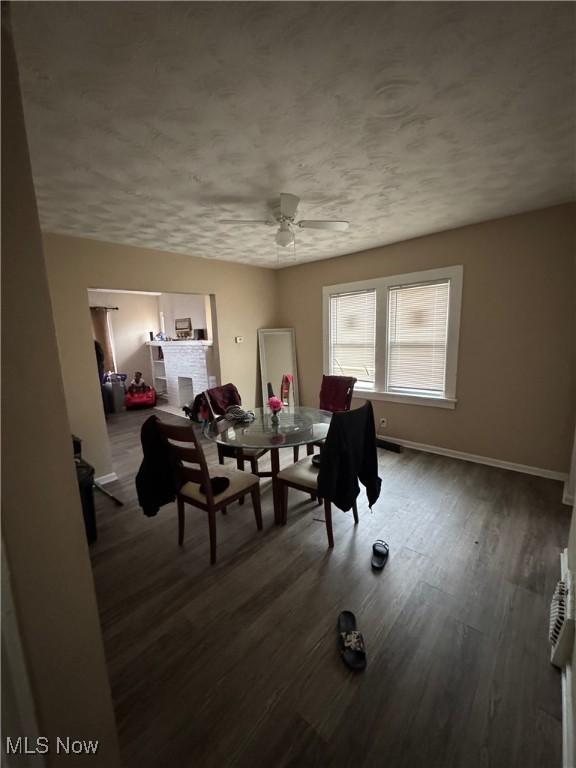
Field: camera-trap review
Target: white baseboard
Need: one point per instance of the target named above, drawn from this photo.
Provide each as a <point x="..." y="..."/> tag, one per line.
<point x="568" y="711"/>
<point x="109" y="478"/>
<point x="524" y="468"/>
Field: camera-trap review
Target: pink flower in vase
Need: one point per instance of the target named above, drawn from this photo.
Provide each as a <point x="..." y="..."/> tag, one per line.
<point x="275" y="404"/>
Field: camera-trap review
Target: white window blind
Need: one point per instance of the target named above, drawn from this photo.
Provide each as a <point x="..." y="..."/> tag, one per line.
<point x="353" y="336"/>
<point x="418" y="338"/>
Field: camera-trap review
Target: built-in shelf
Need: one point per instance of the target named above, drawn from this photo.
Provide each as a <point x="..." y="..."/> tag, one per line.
<point x="159" y="380"/>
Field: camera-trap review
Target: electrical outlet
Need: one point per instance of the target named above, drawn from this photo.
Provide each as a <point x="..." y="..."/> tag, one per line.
<point x="383" y="421"/>
<point x="239" y="339"/>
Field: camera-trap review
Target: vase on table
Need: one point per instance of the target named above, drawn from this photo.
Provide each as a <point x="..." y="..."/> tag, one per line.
<point x="275" y="405"/>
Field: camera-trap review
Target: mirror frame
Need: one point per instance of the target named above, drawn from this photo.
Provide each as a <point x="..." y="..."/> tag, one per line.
<point x="262" y="334"/>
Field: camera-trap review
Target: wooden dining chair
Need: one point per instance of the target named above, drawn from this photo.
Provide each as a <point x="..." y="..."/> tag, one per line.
<point x="349" y="458"/>
<point x="242" y="455"/>
<point x="188" y="450"/>
<point x="303" y="476"/>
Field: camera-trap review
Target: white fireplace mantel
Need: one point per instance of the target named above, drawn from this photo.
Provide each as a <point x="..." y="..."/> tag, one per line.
<point x="186" y="369"/>
<point x="179" y="343"/>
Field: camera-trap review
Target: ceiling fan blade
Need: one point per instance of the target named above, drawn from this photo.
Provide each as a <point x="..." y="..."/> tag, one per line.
<point x="332" y="226"/>
<point x="268" y="222"/>
<point x="288" y="205"/>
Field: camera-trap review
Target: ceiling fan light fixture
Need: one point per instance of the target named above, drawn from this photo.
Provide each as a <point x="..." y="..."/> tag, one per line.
<point x="283" y="214"/>
<point x="284" y="236"/>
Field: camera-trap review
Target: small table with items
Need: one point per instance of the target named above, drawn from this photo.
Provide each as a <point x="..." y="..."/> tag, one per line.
<point x="293" y="426"/>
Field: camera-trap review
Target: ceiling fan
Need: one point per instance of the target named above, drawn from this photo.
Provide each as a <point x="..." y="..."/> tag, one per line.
<point x="284" y="214"/>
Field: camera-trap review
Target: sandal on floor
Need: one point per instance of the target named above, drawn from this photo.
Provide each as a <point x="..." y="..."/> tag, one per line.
<point x="351" y="642"/>
<point x="380" y="552"/>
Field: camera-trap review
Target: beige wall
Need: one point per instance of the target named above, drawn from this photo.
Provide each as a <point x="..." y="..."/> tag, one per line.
<point x="42" y="530"/>
<point x="136" y="316"/>
<point x="516" y="383"/>
<point x="245" y="301"/>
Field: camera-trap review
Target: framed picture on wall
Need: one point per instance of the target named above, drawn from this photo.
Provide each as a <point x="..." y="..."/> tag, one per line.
<point x="183" y="327"/>
<point x="183" y="324"/>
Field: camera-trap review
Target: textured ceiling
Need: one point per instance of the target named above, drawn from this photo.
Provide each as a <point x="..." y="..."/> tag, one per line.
<point x="150" y="122"/>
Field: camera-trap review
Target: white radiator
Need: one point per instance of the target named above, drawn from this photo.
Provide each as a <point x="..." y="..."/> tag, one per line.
<point x="561" y="633"/>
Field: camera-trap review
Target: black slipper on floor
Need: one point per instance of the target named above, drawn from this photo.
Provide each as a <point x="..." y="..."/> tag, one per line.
<point x="351" y="642"/>
<point x="380" y="552"/>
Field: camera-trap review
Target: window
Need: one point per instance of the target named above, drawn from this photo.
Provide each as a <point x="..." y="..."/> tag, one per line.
<point x="353" y="336"/>
<point x="397" y="335"/>
<point x="417" y="338"/>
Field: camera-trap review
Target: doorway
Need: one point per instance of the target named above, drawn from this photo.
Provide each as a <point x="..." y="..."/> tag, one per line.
<point x="169" y="339"/>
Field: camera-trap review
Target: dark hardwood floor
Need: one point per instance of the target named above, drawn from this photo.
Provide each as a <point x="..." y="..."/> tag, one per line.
<point x="237" y="665"/>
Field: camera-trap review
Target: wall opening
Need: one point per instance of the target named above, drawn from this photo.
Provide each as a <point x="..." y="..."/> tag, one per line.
<point x="170" y="338"/>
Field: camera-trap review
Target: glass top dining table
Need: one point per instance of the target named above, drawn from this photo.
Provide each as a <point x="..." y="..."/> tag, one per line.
<point x="295" y="425"/>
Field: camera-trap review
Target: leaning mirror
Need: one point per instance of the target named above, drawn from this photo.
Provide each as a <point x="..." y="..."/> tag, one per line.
<point x="278" y="364"/>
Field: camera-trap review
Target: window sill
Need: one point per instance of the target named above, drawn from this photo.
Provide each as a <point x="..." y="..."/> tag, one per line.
<point x="434" y="402"/>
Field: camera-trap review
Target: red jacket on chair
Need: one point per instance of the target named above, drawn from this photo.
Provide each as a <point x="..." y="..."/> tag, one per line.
<point x="220" y="399"/>
<point x="336" y="393"/>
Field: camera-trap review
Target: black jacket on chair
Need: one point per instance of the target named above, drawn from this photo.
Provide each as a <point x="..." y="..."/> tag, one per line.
<point x="157" y="478"/>
<point x="349" y="455"/>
